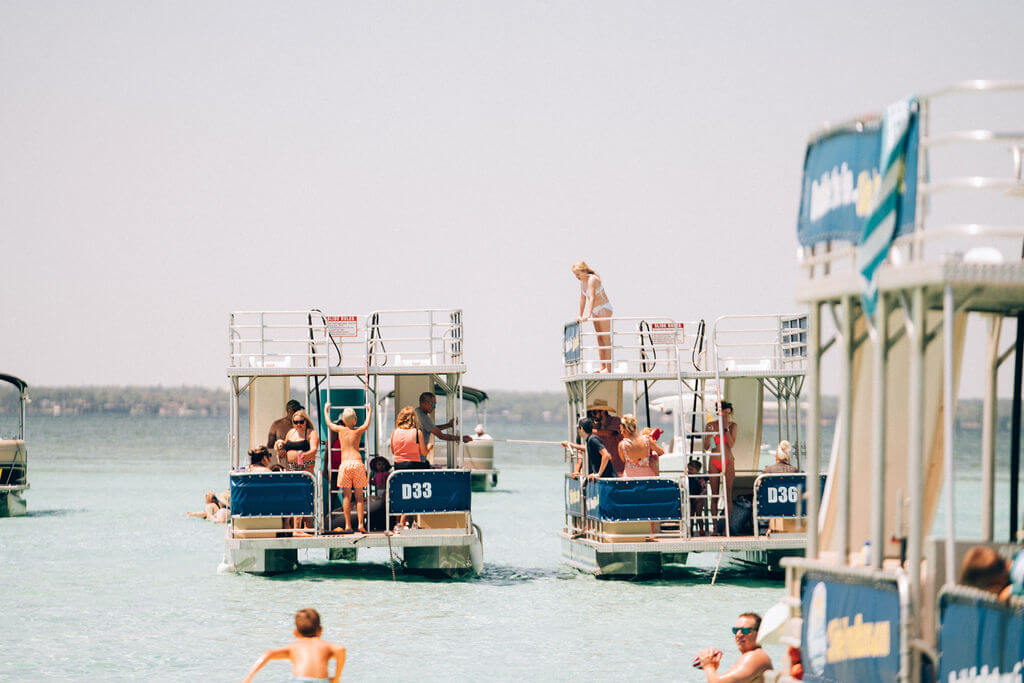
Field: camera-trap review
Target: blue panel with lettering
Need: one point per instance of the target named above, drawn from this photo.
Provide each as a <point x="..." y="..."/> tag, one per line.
<point x="271" y="494"/>
<point x="424" y="491"/>
<point x="840" y="172"/>
<point x="634" y="500"/>
<point x="851" y="628"/>
<point x="573" y="497"/>
<point x="782" y="495"/>
<point x="980" y="639"/>
<point x="571" y="346"/>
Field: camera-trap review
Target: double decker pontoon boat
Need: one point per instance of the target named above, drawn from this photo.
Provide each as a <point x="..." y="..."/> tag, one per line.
<point x="14" y="458"/>
<point x="876" y="598"/>
<point x="349" y="362"/>
<point x="632" y="526"/>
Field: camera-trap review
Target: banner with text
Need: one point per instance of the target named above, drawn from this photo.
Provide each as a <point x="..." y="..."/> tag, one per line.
<point x="425" y="491"/>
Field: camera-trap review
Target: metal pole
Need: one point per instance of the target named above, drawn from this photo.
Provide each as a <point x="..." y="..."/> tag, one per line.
<point x="948" y="417"/>
<point x="881" y="349"/>
<point x="813" y="427"/>
<point x="796" y="428"/>
<point x="915" y="451"/>
<point x="1018" y="367"/>
<point x="988" y="429"/>
<point x="843" y="468"/>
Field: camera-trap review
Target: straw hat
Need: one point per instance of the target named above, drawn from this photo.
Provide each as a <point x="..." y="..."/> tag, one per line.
<point x="600" y="404"/>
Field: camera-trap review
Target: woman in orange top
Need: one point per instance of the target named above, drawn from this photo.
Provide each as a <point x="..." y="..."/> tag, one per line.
<point x="409" y="449"/>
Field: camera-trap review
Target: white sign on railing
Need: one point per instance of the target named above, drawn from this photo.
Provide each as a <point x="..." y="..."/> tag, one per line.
<point x="343" y="325"/>
<point x="665" y="333"/>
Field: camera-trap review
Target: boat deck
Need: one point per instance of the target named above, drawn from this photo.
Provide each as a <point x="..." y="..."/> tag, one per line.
<point x="412" y="538"/>
<point x="709" y="544"/>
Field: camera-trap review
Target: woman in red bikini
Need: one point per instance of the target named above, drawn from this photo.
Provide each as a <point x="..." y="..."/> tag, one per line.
<point x="716" y="465"/>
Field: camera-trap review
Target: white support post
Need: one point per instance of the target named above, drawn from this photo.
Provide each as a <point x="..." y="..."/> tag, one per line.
<point x="813" y="427"/>
<point x="881" y="356"/>
<point x="948" y="417"/>
<point x="915" y="453"/>
<point x="988" y="428"/>
<point x="843" y="468"/>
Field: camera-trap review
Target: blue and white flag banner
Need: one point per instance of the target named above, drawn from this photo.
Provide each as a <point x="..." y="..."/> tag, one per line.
<point x="880" y="230"/>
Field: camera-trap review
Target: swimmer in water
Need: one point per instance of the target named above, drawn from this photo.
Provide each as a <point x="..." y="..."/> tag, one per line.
<point x="309" y="654"/>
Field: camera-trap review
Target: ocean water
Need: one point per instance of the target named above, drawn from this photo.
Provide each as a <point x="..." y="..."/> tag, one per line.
<point x="106" y="579"/>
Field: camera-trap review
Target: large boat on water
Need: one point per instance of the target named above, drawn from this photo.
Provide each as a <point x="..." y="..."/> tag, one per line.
<point x="909" y="229"/>
<point x="14" y="458"/>
<point x="632" y="526"/>
<point x="348" y="361"/>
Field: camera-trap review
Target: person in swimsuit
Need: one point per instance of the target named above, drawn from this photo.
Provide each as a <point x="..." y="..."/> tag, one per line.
<point x="753" y="661"/>
<point x="716" y="465"/>
<point x="352" y="474"/>
<point x="310" y="655"/>
<point x="595" y="305"/>
<point x="211" y="508"/>
<point x="639" y="455"/>
<point x="297" y="451"/>
<point x="409" y="448"/>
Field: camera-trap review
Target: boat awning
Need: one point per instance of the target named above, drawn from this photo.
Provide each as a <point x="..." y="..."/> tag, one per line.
<point x="474" y="396"/>
<point x="22" y="385"/>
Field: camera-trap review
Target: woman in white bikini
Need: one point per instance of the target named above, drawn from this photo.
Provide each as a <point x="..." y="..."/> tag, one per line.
<point x="595" y="305"/>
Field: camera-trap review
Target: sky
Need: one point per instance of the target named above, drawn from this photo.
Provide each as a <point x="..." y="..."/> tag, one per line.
<point x="165" y="163"/>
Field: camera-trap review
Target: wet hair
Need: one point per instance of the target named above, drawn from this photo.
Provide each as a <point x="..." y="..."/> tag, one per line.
<point x="984" y="568"/>
<point x="293" y="405"/>
<point x="307" y="623"/>
<point x="627" y="425"/>
<point x="211" y="497"/>
<point x="425" y="395"/>
<point x="694" y="463"/>
<point x="582" y="267"/>
<point x="725" y="405"/>
<point x="406" y="418"/>
<point x="752" y="615"/>
<point x="783" y="451"/>
<point x="276" y="468"/>
<point x="256" y="455"/>
<point x="586" y="424"/>
<point x="348" y="416"/>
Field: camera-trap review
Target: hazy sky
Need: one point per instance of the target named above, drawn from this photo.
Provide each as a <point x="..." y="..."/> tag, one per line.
<point x="164" y="163"/>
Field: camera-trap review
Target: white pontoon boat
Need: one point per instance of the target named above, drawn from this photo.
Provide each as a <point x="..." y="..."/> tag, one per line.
<point x="876" y="598"/>
<point x="632" y="526"/>
<point x="14" y="458"/>
<point x="349" y="362"/>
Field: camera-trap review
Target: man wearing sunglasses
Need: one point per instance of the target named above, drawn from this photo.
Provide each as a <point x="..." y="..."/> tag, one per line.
<point x="425" y="418"/>
<point x="753" y="661"/>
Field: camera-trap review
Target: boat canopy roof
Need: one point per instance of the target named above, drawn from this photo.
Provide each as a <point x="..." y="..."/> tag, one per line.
<point x="474" y="396"/>
<point x="21" y="384"/>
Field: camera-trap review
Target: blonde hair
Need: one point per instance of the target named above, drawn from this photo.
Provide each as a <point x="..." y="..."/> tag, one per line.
<point x="406" y="418"/>
<point x="582" y="267"/>
<point x="627" y="425"/>
<point x="348" y="416"/>
<point x="646" y="431"/>
<point x="784" y="450"/>
<point x="302" y="414"/>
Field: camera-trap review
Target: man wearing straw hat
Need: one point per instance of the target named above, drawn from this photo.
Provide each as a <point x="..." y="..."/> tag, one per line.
<point x="606" y="427"/>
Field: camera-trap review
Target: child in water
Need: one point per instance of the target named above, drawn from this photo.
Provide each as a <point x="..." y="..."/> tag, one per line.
<point x="309" y="654"/>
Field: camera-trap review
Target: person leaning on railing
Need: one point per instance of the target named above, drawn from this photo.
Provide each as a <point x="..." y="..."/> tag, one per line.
<point x="598" y="458"/>
<point x="425" y="420"/>
<point x="595" y="305"/>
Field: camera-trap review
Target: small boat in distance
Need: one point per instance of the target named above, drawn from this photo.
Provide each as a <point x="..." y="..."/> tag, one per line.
<point x="14" y="458"/>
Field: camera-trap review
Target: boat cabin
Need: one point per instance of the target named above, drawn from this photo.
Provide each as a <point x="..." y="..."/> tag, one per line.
<point x="14" y="457"/>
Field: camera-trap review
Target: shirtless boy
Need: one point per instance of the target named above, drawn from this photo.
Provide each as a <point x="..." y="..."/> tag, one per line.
<point x="352" y="474"/>
<point x="309" y="654"/>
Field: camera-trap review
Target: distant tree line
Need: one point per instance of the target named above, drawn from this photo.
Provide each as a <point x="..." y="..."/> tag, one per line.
<point x="191" y="401"/>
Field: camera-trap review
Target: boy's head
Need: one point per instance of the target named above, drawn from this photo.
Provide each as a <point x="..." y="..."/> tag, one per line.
<point x="348" y="416"/>
<point x="693" y="466"/>
<point x="307" y="623"/>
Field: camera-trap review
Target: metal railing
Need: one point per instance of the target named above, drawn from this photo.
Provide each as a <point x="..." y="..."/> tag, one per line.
<point x="637" y="345"/>
<point x="761" y="343"/>
<point x="314" y="339"/>
<point x="277" y="339"/>
<point x="985" y="237"/>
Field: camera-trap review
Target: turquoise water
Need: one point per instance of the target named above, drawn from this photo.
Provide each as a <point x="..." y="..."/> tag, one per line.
<point x="107" y="580"/>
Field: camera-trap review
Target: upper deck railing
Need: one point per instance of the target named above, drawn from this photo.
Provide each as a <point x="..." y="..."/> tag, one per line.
<point x="961" y="183"/>
<point x="657" y="346"/>
<point x="650" y="345"/>
<point x="760" y="344"/>
<point x="314" y="341"/>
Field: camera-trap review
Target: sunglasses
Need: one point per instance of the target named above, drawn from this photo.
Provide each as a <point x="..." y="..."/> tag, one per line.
<point x="298" y="422"/>
<point x="745" y="630"/>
